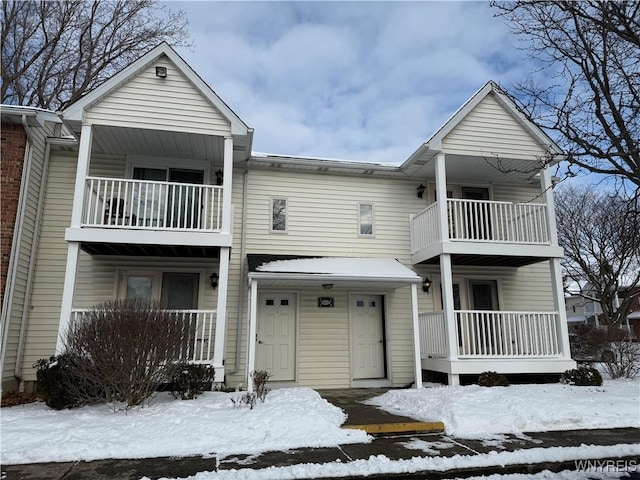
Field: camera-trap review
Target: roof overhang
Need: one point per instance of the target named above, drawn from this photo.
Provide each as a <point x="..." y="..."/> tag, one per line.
<point x="330" y="272"/>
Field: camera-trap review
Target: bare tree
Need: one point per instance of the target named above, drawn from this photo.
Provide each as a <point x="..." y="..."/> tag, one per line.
<point x="589" y="52"/>
<point x="55" y="51"/>
<point x="600" y="234"/>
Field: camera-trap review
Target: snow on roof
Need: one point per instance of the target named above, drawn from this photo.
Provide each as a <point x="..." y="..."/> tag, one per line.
<point x="342" y="267"/>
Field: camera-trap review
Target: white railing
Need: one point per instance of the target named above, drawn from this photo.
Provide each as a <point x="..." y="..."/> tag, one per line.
<point x="433" y="334"/>
<point x="506" y="334"/>
<point x="482" y="221"/>
<point x="425" y="230"/>
<point x="197" y="341"/>
<point x="143" y="204"/>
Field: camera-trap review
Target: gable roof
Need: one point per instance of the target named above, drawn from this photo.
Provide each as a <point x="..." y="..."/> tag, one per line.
<point x="434" y="144"/>
<point x="75" y="111"/>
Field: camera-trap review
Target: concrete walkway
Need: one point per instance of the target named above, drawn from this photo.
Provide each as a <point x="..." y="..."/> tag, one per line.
<point x="396" y="444"/>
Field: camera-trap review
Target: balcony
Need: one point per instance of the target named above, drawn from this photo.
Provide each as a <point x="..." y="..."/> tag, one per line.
<point x="197" y="342"/>
<point x="505" y="341"/>
<point x="481" y="232"/>
<point x="141" y="217"/>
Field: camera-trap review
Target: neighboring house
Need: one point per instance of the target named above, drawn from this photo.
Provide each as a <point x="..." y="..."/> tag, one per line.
<point x="325" y="273"/>
<point x="582" y="311"/>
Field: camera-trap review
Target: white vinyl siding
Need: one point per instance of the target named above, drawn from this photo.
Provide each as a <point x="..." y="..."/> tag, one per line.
<point x="490" y="130"/>
<point x="51" y="261"/>
<point x="36" y="153"/>
<point x="169" y="104"/>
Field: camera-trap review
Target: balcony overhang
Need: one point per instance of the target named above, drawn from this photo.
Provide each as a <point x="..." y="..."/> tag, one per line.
<point x="487" y="254"/>
<point x="117" y="241"/>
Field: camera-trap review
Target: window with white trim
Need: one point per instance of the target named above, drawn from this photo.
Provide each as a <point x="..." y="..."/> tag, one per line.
<point x="278" y="215"/>
<point x="365" y="220"/>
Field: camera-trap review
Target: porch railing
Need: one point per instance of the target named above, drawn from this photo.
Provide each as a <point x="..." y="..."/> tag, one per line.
<point x="482" y="221"/>
<point x="196" y="344"/>
<point x="483" y="333"/>
<point x="152" y="205"/>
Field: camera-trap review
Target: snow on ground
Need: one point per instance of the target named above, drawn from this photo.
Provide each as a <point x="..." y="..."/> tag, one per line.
<point x="473" y="411"/>
<point x="381" y="465"/>
<point x="299" y="417"/>
<point x="289" y="418"/>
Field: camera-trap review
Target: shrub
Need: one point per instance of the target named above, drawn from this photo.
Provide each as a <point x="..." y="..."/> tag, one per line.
<point x="492" y="379"/>
<point x="582" y="377"/>
<point x="59" y="382"/>
<point x="129" y="348"/>
<point x="260" y="390"/>
<point x="191" y="381"/>
<point x="622" y="358"/>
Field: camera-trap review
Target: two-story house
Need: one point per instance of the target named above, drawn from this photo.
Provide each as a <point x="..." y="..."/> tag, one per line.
<point x="325" y="273"/>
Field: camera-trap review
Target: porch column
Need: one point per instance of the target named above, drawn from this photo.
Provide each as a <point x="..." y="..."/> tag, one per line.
<point x="446" y="281"/>
<point x="557" y="286"/>
<point x="68" y="291"/>
<point x="547" y="193"/>
<point x="417" y="357"/>
<point x="441" y="195"/>
<point x="221" y="314"/>
<point x="227" y="181"/>
<point x="73" y="249"/>
<point x="251" y="336"/>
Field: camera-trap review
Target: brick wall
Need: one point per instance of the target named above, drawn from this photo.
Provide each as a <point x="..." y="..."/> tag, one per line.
<point x="13" y="140"/>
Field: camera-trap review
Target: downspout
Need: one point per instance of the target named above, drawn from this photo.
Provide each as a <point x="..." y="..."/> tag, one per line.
<point x="32" y="264"/>
<point x="241" y="280"/>
<point x="17" y="236"/>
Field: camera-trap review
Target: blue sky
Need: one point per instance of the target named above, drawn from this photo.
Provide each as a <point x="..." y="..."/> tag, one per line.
<point x="364" y="81"/>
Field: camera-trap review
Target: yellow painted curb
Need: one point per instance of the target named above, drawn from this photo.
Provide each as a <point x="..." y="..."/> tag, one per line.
<point x="406" y="427"/>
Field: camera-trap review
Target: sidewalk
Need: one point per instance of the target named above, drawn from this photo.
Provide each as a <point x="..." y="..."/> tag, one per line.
<point x="401" y="442"/>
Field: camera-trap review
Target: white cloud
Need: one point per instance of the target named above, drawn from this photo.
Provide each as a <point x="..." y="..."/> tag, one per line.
<point x="354" y="80"/>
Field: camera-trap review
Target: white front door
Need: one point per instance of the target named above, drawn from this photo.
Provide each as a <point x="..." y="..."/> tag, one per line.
<point x="276" y="347"/>
<point x="367" y="340"/>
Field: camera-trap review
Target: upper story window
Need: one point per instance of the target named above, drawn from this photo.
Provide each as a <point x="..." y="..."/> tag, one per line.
<point x="365" y="219"/>
<point x="278" y="215"/>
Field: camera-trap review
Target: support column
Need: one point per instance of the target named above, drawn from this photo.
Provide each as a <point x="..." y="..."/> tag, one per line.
<point x="441" y="195"/>
<point x="547" y="193"/>
<point x="68" y="291"/>
<point x="227" y="181"/>
<point x="251" y="335"/>
<point x="558" y="304"/>
<point x="73" y="251"/>
<point x="417" y="357"/>
<point x="446" y="280"/>
<point x="221" y="314"/>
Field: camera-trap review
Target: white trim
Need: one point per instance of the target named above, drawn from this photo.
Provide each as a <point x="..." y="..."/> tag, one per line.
<point x="415" y="321"/>
<point x="251" y="333"/>
<point x="227" y="181"/>
<point x="82" y="171"/>
<point x="221" y="315"/>
<point x="68" y="293"/>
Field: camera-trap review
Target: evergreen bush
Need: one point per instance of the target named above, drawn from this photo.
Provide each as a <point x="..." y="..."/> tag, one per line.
<point x="582" y="377"/>
<point x="492" y="379"/>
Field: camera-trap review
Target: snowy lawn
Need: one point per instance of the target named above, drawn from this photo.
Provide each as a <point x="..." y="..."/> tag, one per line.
<point x="289" y="418"/>
<point x="473" y="411"/>
<point x="299" y="417"/>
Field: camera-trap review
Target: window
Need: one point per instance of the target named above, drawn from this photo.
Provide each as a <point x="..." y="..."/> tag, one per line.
<point x="278" y="215"/>
<point x="365" y="219"/>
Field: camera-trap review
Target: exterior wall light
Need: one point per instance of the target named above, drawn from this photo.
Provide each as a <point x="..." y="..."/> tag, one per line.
<point x="214" y="280"/>
<point x="420" y="190"/>
<point x="426" y="284"/>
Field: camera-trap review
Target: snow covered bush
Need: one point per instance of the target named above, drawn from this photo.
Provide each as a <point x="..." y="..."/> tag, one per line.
<point x="57" y="380"/>
<point x="492" y="379"/>
<point x="191" y="381"/>
<point x="128" y="348"/>
<point x="623" y="359"/>
<point x="260" y="390"/>
<point x="582" y="377"/>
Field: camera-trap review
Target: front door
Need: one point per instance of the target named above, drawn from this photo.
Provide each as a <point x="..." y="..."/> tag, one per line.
<point x="275" y="351"/>
<point x="367" y="343"/>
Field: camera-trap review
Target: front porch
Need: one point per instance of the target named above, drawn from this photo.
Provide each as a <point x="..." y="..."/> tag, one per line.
<point x="502" y="341"/>
<point x="198" y="333"/>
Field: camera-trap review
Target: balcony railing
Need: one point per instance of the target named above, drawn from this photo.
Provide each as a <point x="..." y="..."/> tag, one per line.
<point x="151" y="205"/>
<point x="481" y="221"/>
<point x="482" y="334"/>
<point x="196" y="345"/>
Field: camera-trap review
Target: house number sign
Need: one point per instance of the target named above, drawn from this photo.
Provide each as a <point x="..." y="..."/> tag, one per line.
<point x="325" y="302"/>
